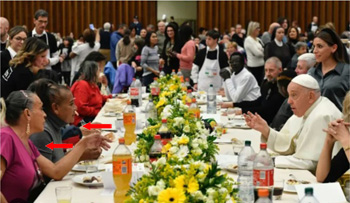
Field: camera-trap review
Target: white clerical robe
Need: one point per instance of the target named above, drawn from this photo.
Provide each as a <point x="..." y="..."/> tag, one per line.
<point x="302" y="138"/>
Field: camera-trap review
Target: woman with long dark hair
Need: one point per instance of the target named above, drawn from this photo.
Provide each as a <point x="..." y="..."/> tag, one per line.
<point x="171" y="43"/>
<point x="124" y="50"/>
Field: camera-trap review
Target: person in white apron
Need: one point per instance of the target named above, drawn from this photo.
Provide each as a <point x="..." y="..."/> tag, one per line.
<point x="207" y="64"/>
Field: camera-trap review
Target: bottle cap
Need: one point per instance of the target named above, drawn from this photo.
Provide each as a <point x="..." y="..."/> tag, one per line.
<point x="157" y="137"/>
<point x="193" y="100"/>
<point x="173" y="70"/>
<point x="247" y="143"/>
<point x="121" y="140"/>
<point x="187" y="79"/>
<point x="155" y="78"/>
<point x="164" y="120"/>
<point x="133" y="79"/>
<point x="211" y="85"/>
<point x="263" y="193"/>
<point x="309" y="191"/>
<point x="189" y="91"/>
<point x="263" y="146"/>
<point x="128" y="102"/>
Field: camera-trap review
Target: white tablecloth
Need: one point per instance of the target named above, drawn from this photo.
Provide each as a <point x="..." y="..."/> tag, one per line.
<point x="83" y="194"/>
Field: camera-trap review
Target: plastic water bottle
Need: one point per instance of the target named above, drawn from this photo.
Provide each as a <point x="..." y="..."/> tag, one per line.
<point x="134" y="93"/>
<point x="245" y="173"/>
<point x="309" y="196"/>
<point x="263" y="196"/>
<point x="122" y="171"/>
<point x="161" y="74"/>
<point x="181" y="76"/>
<point x="211" y="100"/>
<point x="139" y="85"/>
<point x="263" y="171"/>
<point x="155" y="90"/>
<point x="151" y="111"/>
<point x="173" y="72"/>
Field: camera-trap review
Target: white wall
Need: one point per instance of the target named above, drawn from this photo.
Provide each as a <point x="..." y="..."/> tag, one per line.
<point x="181" y="10"/>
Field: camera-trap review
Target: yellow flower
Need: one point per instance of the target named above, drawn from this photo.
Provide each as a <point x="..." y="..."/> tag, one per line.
<point x="171" y="195"/>
<point x="183" y="140"/>
<point x="160" y="103"/>
<point x="190" y="186"/>
<point x="166" y="148"/>
<point x="141" y="201"/>
<point x="173" y="87"/>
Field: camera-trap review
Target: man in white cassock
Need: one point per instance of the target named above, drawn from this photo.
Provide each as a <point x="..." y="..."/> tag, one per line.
<point x="301" y="139"/>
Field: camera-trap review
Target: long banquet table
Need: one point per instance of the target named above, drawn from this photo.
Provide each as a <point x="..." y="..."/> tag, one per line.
<point x="83" y="194"/>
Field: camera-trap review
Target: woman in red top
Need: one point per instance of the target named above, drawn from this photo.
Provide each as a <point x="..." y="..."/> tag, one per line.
<point x="88" y="98"/>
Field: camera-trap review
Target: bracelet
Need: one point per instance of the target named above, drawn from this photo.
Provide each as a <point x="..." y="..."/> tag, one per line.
<point x="347" y="148"/>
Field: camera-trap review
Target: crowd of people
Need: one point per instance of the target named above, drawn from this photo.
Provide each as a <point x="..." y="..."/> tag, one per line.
<point x="292" y="86"/>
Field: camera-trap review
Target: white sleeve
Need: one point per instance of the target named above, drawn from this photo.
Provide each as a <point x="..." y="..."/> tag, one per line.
<point x="238" y="93"/>
<point x="194" y="73"/>
<point x="55" y="58"/>
<point x="294" y="163"/>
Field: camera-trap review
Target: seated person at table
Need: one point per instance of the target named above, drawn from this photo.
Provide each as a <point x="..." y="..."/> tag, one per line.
<point x="239" y="84"/>
<point x="58" y="104"/>
<point x="285" y="112"/>
<point x="328" y="169"/>
<point x="301" y="137"/>
<point x="88" y="98"/>
<point x="271" y="100"/>
<point x="305" y="62"/>
<point x="22" y="165"/>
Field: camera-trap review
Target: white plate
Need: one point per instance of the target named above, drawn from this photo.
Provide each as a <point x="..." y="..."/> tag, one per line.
<point x="231" y="168"/>
<point x="82" y="168"/>
<point x="236" y="125"/>
<point x="79" y="179"/>
<point x="112" y="114"/>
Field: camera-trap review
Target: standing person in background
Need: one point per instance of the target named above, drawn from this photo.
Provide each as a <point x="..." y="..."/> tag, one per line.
<point x="208" y="63"/>
<point x="66" y="66"/>
<point x="278" y="48"/>
<point x="255" y="52"/>
<point x="161" y="36"/>
<point x="171" y="44"/>
<point x="293" y="39"/>
<point x="284" y="23"/>
<point x="150" y="59"/>
<point x="91" y="43"/>
<point x="115" y="37"/>
<point x="300" y="49"/>
<point x="313" y="26"/>
<point x="135" y="61"/>
<point x="25" y="66"/>
<point x="239" y="37"/>
<point x="4" y="28"/>
<point x="106" y="40"/>
<point x="17" y="36"/>
<point x="188" y="51"/>
<point x="133" y="34"/>
<point x="231" y="47"/>
<point x="40" y="22"/>
<point x="266" y="36"/>
<point x="124" y="50"/>
<point x="143" y="34"/>
<point x="136" y="24"/>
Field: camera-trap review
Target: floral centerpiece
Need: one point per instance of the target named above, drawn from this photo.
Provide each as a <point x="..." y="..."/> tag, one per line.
<point x="184" y="173"/>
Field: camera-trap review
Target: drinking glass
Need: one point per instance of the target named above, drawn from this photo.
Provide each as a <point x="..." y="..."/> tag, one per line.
<point x="230" y="114"/>
<point x="278" y="185"/>
<point x="63" y="194"/>
<point x="91" y="166"/>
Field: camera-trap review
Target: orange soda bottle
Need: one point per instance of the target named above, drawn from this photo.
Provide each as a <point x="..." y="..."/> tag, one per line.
<point x="194" y="109"/>
<point x="122" y="171"/>
<point x="129" y="120"/>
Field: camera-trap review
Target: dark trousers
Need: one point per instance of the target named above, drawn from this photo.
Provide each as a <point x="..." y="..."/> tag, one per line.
<point x="258" y="73"/>
<point x="147" y="80"/>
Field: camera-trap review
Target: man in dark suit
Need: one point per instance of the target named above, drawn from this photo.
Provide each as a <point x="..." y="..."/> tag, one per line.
<point x="312" y="27"/>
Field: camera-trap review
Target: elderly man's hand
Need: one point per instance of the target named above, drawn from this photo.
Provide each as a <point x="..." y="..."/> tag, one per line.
<point x="255" y="122"/>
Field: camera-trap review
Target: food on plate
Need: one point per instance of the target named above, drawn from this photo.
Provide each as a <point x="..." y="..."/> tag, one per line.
<point x="110" y="136"/>
<point x="92" y="179"/>
<point x="297" y="182"/>
<point x="236" y="141"/>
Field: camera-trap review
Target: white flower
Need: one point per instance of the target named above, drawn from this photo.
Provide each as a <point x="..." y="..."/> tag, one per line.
<point x="211" y="192"/>
<point x="222" y="190"/>
<point x="166" y="111"/>
<point x="174" y="141"/>
<point x="160" y="162"/>
<point x="187" y="129"/>
<point x="199" y="125"/>
<point x="154" y="190"/>
<point x="173" y="150"/>
<point x="178" y="121"/>
<point x="198" y="195"/>
<point x="197" y="151"/>
<point x="195" y="145"/>
<point x="183" y="152"/>
<point x="161" y="184"/>
<point x="205" y="145"/>
<point x="142" y="158"/>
